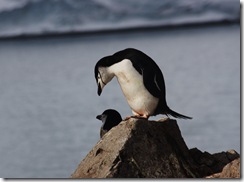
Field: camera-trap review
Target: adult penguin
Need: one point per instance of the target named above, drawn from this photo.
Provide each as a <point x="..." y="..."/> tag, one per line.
<point x="140" y="79"/>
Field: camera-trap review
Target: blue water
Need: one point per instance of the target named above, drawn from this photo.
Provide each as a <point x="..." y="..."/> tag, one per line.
<point x="49" y="97"/>
<point x="40" y="17"/>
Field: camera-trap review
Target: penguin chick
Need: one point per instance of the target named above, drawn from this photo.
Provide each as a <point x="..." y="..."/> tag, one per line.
<point x="109" y="118"/>
<point x="140" y="79"/>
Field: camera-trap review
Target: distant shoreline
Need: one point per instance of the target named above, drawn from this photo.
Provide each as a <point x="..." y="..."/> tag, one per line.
<point x="118" y="30"/>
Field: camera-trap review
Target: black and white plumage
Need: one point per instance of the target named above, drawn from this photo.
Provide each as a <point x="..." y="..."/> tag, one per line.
<point x="140" y="79"/>
<point x="110" y="119"/>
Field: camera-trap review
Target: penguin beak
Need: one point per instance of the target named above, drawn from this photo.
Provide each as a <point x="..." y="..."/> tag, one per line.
<point x="99" y="89"/>
<point x="100" y="85"/>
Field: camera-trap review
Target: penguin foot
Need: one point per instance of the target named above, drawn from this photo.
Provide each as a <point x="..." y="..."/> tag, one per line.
<point x="127" y="118"/>
<point x="136" y="117"/>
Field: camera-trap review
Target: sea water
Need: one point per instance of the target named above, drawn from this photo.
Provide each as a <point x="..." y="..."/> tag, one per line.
<point x="49" y="98"/>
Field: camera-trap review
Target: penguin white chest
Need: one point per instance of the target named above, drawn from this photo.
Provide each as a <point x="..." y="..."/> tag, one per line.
<point x="131" y="83"/>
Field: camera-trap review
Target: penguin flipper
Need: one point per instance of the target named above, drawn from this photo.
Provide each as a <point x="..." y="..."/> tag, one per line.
<point x="154" y="82"/>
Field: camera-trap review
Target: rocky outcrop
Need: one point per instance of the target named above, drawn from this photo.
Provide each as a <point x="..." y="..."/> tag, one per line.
<point x="231" y="170"/>
<point x="138" y="148"/>
<point x="211" y="165"/>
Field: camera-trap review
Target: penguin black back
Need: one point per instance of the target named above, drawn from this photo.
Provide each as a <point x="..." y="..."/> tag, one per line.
<point x="110" y="119"/>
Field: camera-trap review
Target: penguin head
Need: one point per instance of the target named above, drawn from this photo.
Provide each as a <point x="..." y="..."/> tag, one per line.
<point x="102" y="117"/>
<point x="103" y="74"/>
<point x="110" y="118"/>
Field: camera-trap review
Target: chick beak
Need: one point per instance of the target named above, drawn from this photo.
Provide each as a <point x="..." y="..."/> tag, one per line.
<point x="99" y="117"/>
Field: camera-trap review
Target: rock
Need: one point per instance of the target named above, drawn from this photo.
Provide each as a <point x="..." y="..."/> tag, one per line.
<point x="210" y="164"/>
<point x="231" y="170"/>
<point x="138" y="148"/>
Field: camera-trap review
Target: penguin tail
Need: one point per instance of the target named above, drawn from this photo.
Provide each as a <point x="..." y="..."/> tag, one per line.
<point x="176" y="115"/>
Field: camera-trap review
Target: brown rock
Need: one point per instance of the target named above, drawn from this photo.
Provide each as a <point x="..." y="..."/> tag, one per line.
<point x="211" y="165"/>
<point x="139" y="148"/>
<point x="150" y="149"/>
<point x="231" y="170"/>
